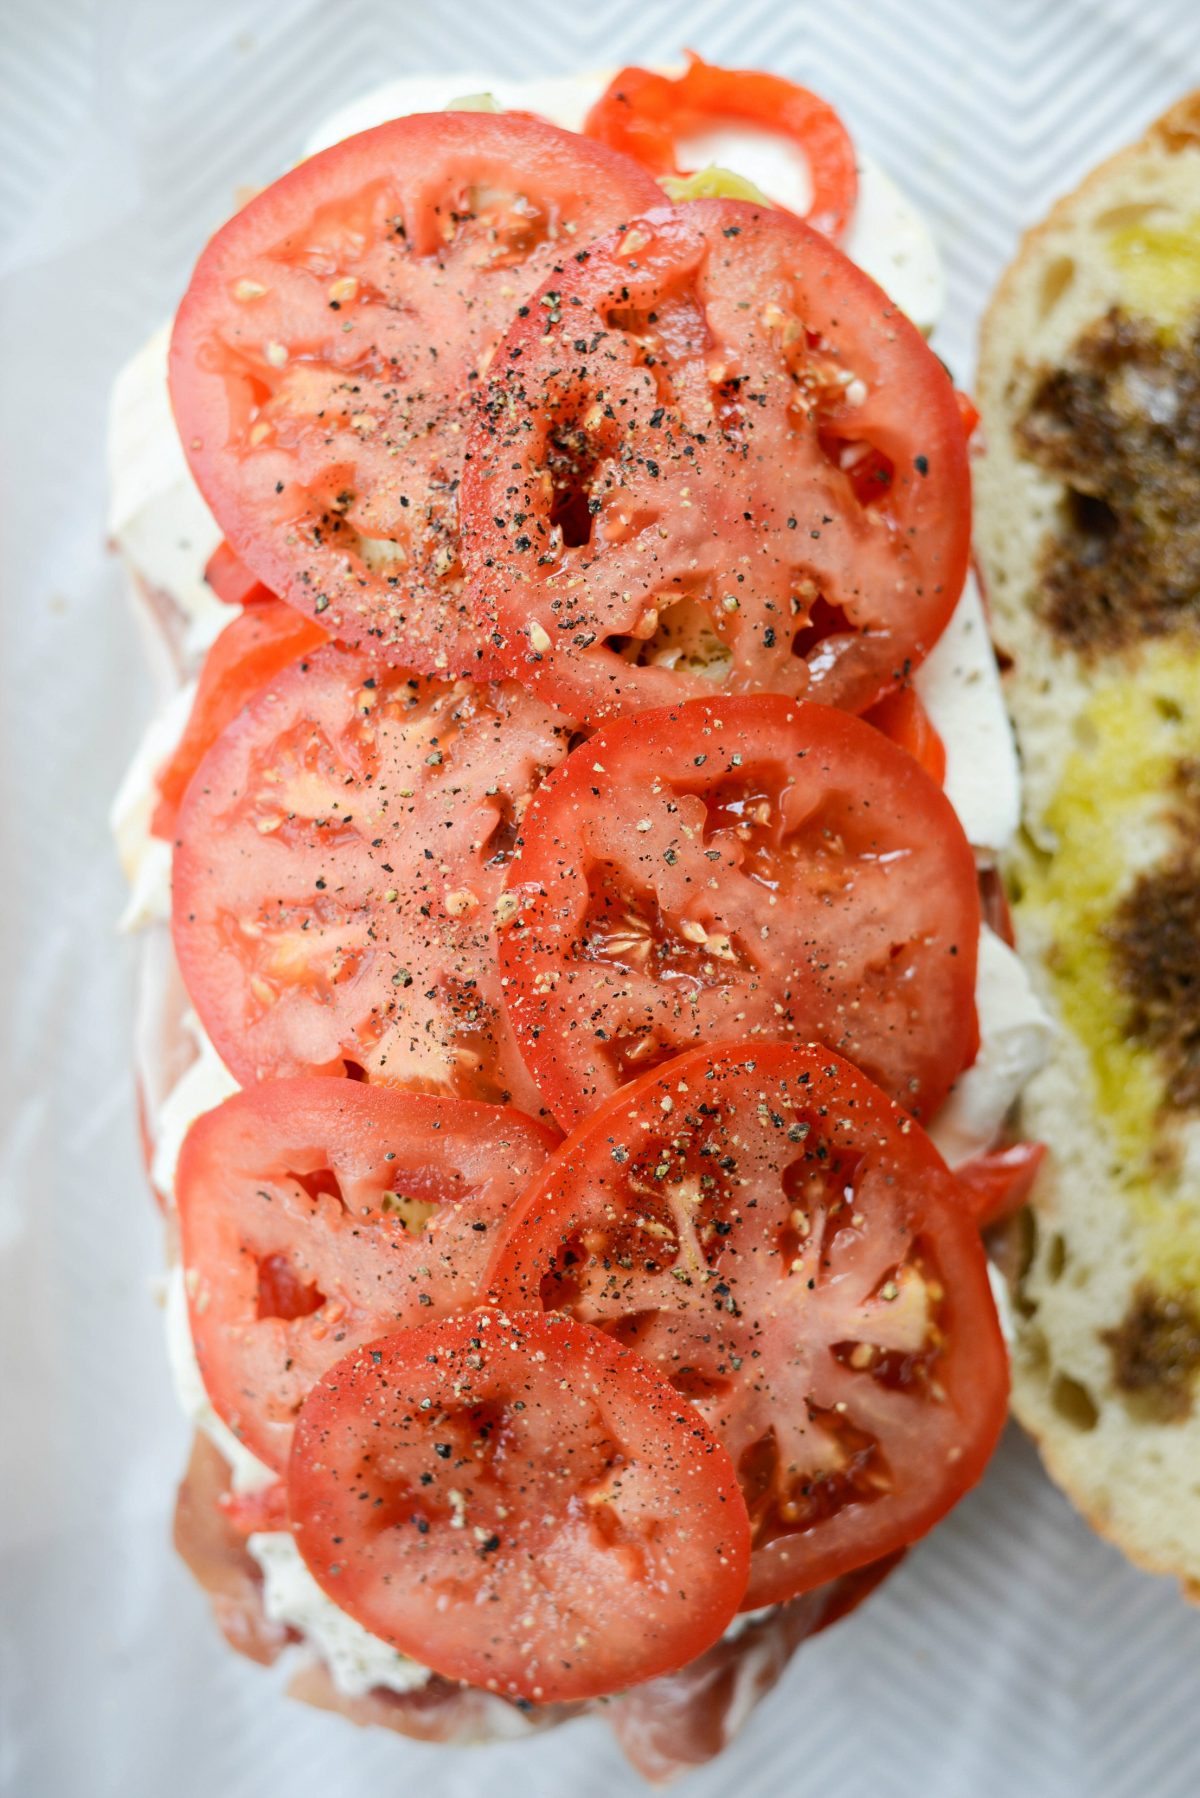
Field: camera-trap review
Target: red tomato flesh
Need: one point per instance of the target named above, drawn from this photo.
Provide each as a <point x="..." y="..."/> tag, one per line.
<point x="745" y="868"/>
<point x="324" y="357"/>
<point x="793" y="1254"/>
<point x="248" y="654"/>
<point x="520" y="1503"/>
<point x="715" y="457"/>
<point x="340" y="854"/>
<point x="646" y="114"/>
<point x="316" y="1214"/>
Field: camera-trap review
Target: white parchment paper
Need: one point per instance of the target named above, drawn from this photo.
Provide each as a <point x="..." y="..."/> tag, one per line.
<point x="1015" y="1655"/>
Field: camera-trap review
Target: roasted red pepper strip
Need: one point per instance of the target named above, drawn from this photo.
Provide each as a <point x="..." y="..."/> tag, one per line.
<point x="968" y="411"/>
<point x="645" y="115"/>
<point x="232" y="581"/>
<point x="902" y="717"/>
<point x="248" y="653"/>
<point x="1001" y="1181"/>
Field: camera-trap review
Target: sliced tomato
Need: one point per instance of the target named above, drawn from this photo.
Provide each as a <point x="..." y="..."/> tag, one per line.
<point x="793" y="1254"/>
<point x="249" y="653"/>
<point x="519" y="1503"/>
<point x="715" y="457"/>
<point x="340" y="853"/>
<point x="902" y="717"/>
<point x="316" y="1214"/>
<point x="741" y="868"/>
<point x="1001" y="1180"/>
<point x="232" y="581"/>
<point x="324" y="356"/>
<point x="647" y="115"/>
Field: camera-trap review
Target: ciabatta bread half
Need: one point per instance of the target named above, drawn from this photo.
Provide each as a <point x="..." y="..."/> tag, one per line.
<point x="1088" y="532"/>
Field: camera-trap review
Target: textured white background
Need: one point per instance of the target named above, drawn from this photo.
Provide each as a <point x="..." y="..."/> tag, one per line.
<point x="1015" y="1656"/>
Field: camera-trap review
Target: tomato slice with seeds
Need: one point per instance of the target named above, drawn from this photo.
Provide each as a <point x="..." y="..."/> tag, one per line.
<point x="323" y="358"/>
<point x="520" y="1503"/>
<point x="646" y="114"/>
<point x="741" y="868"/>
<point x="716" y="457"/>
<point x="340" y="853"/>
<point x="250" y="651"/>
<point x="317" y="1214"/>
<point x="793" y="1254"/>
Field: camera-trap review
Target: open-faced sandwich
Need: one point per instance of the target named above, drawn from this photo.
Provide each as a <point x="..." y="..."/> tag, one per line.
<point x="577" y="1069"/>
<point x="1088" y="526"/>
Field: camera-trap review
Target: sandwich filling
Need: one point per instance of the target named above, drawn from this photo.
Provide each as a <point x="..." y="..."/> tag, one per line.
<point x="166" y="534"/>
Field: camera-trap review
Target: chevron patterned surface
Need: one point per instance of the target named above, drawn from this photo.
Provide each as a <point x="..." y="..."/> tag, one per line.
<point x="1015" y="1655"/>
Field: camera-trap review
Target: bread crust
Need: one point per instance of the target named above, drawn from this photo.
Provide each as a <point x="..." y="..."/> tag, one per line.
<point x="1177" y="131"/>
<point x="1134" y="1477"/>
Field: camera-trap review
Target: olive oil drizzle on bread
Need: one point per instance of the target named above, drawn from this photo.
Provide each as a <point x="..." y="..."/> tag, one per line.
<point x="1120" y="422"/>
<point x="1088" y="532"/>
